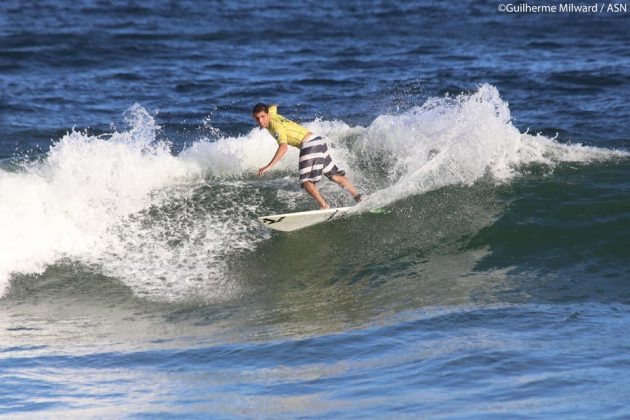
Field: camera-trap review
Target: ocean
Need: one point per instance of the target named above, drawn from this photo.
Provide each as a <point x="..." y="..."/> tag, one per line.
<point x="136" y="282"/>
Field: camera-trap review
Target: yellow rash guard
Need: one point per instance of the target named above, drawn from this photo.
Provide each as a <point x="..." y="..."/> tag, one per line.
<point x="284" y="130"/>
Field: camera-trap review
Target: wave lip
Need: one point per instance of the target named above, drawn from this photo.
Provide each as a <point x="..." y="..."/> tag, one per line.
<point x="458" y="141"/>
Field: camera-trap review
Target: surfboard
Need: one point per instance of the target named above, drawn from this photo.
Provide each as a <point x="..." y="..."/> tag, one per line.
<point x="294" y="221"/>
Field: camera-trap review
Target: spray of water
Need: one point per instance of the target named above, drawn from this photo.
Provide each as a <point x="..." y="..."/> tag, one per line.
<point x="165" y="225"/>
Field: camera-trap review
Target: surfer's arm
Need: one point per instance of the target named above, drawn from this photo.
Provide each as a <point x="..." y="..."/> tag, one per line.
<point x="280" y="152"/>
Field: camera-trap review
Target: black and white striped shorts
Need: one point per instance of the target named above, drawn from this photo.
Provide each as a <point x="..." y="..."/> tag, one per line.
<point x="315" y="160"/>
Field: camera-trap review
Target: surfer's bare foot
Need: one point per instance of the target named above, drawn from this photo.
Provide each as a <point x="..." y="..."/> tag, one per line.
<point x="357" y="198"/>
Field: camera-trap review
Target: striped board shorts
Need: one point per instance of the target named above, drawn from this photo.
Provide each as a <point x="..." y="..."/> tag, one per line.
<point x="315" y="160"/>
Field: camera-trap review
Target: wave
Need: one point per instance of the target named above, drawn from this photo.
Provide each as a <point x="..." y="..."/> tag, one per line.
<point x="165" y="225"/>
<point x="458" y="141"/>
<point x="70" y="204"/>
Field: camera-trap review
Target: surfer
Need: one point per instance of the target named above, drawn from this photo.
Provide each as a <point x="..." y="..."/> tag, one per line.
<point x="314" y="160"/>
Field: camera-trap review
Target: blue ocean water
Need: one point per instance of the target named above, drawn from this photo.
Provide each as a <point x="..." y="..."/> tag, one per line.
<point x="135" y="280"/>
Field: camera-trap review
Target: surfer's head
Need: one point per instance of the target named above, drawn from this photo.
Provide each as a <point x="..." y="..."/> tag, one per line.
<point x="261" y="115"/>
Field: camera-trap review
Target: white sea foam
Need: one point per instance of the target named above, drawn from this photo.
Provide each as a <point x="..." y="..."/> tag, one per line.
<point x="67" y="205"/>
<point x="104" y="201"/>
<point x="237" y="156"/>
<point x="458" y="141"/>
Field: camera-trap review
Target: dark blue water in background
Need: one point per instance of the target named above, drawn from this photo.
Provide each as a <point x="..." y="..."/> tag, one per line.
<point x="136" y="282"/>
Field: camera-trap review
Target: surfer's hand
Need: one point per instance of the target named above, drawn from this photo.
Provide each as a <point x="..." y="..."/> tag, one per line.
<point x="262" y="170"/>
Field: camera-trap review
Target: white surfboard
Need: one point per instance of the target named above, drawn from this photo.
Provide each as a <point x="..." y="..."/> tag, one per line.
<point x="294" y="221"/>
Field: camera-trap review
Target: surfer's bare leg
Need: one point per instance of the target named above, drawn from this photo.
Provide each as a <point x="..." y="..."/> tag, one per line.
<point x="346" y="185"/>
<point x="314" y="192"/>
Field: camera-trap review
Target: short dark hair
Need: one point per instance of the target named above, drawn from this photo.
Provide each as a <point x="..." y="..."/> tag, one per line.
<point x="260" y="107"/>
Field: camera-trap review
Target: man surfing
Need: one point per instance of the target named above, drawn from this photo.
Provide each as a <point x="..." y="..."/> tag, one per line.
<point x="314" y="159"/>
